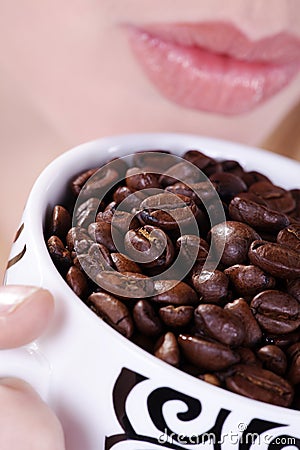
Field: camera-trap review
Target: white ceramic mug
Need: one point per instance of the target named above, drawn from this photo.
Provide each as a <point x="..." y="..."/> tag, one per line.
<point x="107" y="392"/>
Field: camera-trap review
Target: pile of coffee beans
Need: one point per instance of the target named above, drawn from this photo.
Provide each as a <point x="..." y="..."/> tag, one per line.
<point x="236" y="325"/>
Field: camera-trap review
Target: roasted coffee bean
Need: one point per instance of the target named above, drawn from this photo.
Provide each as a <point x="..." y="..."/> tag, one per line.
<point x="137" y="180"/>
<point x="233" y="167"/>
<point x="95" y="182"/>
<point x="205" y="354"/>
<point x="219" y="324"/>
<point x="231" y="240"/>
<point x="129" y="201"/>
<point x="256" y="215"/>
<point x="296" y="196"/>
<point x="252" y="332"/>
<point x="101" y="253"/>
<point x="273" y="358"/>
<point x="124" y="264"/>
<point x="172" y="292"/>
<point x="290" y="237"/>
<point x="248" y="356"/>
<point x="169" y="211"/>
<point x="176" y="317"/>
<point x="249" y="280"/>
<point x="197" y="158"/>
<point x="146" y="320"/>
<point x="260" y="384"/>
<point x="112" y="311"/>
<point x="78" y="182"/>
<point x="181" y="172"/>
<point x="276" y="311"/>
<point x="227" y="185"/>
<point x="58" y="252"/>
<point x="192" y="248"/>
<point x="276" y="259"/>
<point x="75" y="236"/>
<point x="77" y="281"/>
<point x="167" y="349"/>
<point x="210" y="378"/>
<point x="293" y="288"/>
<point x="186" y="191"/>
<point x="150" y="246"/>
<point x="253" y="177"/>
<point x="159" y="160"/>
<point x="61" y="222"/>
<point x="276" y="197"/>
<point x="212" y="287"/>
<point x="129" y="285"/>
<point x="294" y="371"/>
<point x="101" y="233"/>
<point x="86" y="212"/>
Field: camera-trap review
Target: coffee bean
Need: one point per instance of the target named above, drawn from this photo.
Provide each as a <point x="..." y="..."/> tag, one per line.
<point x="176" y="317"/>
<point x="95" y="182"/>
<point x="193" y="248"/>
<point x="113" y="311"/>
<point x="256" y="215"/>
<point x="249" y="280"/>
<point x="146" y="320"/>
<point x="77" y="281"/>
<point x="150" y="246"/>
<point x="227" y="185"/>
<point x="290" y="237"/>
<point x="278" y="260"/>
<point x="61" y="222"/>
<point x="167" y="349"/>
<point x="276" y="311"/>
<point x="260" y="384"/>
<point x="212" y="287"/>
<point x="75" y="236"/>
<point x="273" y="358"/>
<point x="232" y="241"/>
<point x="58" y="252"/>
<point x="172" y="292"/>
<point x="127" y="285"/>
<point x="210" y="378"/>
<point x="86" y="212"/>
<point x="253" y="177"/>
<point x="137" y="180"/>
<point x="101" y="233"/>
<point x="124" y="264"/>
<point x="276" y="197"/>
<point x="241" y="311"/>
<point x="169" y="211"/>
<point x="205" y="354"/>
<point x="219" y="324"/>
<point x="183" y="172"/>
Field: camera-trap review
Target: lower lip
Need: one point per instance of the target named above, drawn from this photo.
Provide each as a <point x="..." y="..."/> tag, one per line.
<point x="199" y="79"/>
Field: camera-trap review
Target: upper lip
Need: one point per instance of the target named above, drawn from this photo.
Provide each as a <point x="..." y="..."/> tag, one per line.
<point x="226" y="39"/>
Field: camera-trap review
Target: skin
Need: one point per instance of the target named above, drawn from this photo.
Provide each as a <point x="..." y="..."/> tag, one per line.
<point x="67" y="75"/>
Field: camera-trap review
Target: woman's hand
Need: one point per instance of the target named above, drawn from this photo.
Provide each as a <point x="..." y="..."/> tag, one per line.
<point x="26" y="422"/>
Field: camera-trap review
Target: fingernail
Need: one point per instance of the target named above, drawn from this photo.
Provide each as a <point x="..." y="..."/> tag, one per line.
<point x="13" y="296"/>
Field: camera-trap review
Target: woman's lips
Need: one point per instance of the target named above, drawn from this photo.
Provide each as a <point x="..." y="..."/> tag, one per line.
<point x="215" y="67"/>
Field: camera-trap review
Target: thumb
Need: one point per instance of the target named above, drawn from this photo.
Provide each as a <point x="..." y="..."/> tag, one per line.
<point x="25" y="312"/>
<point x="27" y="423"/>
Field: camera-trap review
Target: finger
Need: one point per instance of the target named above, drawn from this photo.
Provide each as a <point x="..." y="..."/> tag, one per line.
<point x="25" y="312"/>
<point x="27" y="423"/>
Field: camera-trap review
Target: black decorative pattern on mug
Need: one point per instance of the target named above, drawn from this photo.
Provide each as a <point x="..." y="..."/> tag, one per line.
<point x="20" y="255"/>
<point x="157" y="399"/>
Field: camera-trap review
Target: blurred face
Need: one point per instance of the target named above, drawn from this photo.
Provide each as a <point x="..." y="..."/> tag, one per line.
<point x="227" y="69"/>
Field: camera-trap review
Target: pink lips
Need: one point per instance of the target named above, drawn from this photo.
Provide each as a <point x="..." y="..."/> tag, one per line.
<point x="214" y="67"/>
